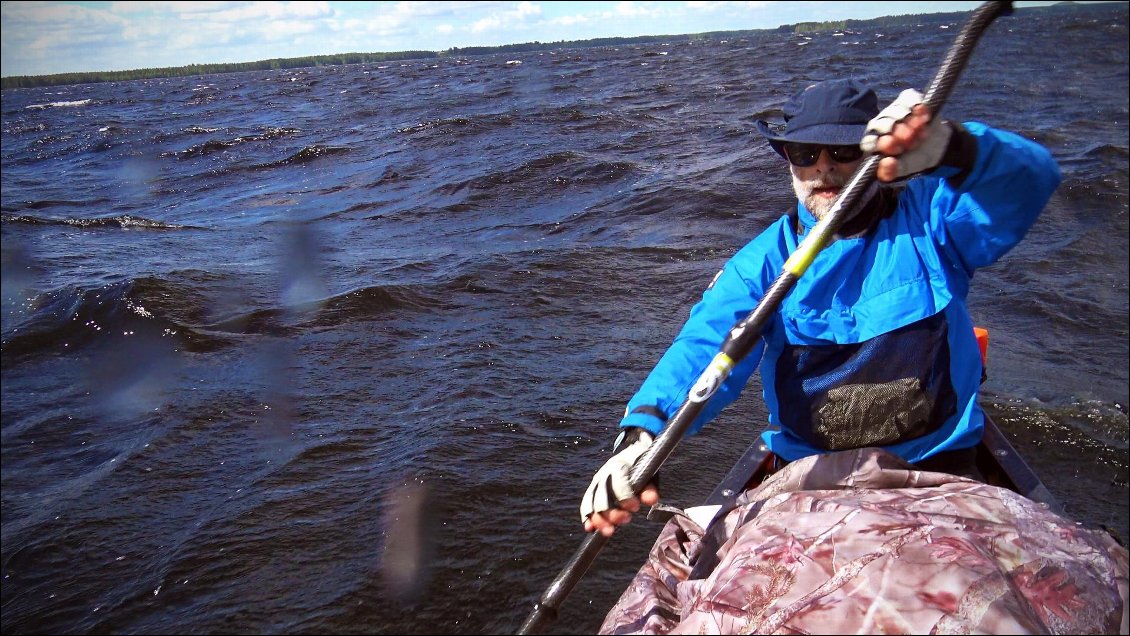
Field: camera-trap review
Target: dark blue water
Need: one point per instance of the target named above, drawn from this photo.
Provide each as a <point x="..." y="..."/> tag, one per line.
<point x="337" y="349"/>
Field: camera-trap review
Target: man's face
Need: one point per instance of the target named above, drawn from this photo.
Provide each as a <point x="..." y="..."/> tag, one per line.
<point x="818" y="185"/>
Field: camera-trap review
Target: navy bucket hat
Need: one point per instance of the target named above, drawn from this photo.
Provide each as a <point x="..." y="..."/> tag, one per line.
<point x="832" y="112"/>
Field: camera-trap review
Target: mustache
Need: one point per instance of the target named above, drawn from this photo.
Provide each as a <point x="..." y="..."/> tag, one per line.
<point x="825" y="181"/>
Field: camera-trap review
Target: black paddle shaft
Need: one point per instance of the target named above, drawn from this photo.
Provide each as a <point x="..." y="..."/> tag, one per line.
<point x="743" y="336"/>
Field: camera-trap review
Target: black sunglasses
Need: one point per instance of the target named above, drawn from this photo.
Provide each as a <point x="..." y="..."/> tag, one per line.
<point x="805" y="155"/>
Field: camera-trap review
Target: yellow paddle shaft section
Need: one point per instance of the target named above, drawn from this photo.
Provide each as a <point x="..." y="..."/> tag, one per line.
<point x="806" y="252"/>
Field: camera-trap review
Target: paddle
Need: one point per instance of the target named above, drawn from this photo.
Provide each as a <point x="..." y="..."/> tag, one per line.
<point x="744" y="334"/>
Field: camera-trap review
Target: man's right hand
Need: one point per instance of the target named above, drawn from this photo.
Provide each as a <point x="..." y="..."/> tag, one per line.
<point x="910" y="138"/>
<point x="609" y="500"/>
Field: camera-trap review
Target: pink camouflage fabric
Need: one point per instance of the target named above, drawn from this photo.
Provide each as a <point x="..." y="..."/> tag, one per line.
<point x="859" y="542"/>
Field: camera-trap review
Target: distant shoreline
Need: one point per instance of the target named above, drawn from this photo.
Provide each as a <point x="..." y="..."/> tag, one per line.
<point x="62" y="79"/>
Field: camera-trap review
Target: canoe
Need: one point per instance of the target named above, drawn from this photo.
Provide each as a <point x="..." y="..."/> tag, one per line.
<point x="997" y="459"/>
<point x="859" y="542"/>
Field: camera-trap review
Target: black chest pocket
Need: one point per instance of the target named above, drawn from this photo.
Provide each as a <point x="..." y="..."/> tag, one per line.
<point x="891" y="388"/>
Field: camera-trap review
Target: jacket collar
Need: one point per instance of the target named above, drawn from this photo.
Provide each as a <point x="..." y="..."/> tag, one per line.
<point x="866" y="217"/>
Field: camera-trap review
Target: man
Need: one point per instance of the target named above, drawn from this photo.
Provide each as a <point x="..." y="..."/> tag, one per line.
<point x="874" y="346"/>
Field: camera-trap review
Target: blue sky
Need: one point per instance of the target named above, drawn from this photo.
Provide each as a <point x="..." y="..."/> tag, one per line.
<point x="41" y="38"/>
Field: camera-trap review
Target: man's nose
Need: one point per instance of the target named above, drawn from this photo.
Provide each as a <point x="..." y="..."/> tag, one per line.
<point x="824" y="161"/>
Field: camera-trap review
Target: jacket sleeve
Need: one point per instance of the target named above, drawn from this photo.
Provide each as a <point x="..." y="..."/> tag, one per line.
<point x="991" y="205"/>
<point x="734" y="292"/>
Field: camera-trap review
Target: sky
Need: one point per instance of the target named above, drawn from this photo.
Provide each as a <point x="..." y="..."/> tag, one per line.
<point x="44" y="38"/>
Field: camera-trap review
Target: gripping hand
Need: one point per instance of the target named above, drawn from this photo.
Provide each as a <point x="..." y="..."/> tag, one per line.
<point x="917" y="150"/>
<point x="611" y="484"/>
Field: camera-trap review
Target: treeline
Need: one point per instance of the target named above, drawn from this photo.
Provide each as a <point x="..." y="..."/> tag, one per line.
<point x="27" y="81"/>
<point x="578" y="44"/>
<point x="885" y="21"/>
<point x="944" y="18"/>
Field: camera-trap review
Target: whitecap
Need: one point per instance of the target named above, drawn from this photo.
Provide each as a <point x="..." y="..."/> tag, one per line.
<point x="80" y="102"/>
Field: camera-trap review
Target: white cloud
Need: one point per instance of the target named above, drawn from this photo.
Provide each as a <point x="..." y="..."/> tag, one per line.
<point x="448" y="9"/>
<point x="146" y="7"/>
<point x="268" y="11"/>
<point x="285" y="29"/>
<point x="148" y="30"/>
<point x="508" y="18"/>
<point x="382" y="26"/>
<point x="34" y="29"/>
<point x="54" y="16"/>
<point x="717" y="5"/>
<point x="569" y="20"/>
<point x="226" y="11"/>
<point x="529" y="8"/>
<point x="630" y="9"/>
<point x="402" y="19"/>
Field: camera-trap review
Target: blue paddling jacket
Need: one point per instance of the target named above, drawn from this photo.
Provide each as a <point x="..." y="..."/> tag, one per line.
<point x="874" y="346"/>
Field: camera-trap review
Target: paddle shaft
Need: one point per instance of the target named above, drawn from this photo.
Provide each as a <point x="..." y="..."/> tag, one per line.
<point x="743" y="336"/>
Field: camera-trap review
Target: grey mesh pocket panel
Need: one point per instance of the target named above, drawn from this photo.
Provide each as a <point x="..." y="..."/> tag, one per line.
<point x="860" y="415"/>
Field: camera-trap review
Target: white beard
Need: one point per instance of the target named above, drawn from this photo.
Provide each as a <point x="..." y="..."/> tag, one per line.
<point x="819" y="206"/>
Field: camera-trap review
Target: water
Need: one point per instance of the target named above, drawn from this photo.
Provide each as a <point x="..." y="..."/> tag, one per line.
<point x="337" y="349"/>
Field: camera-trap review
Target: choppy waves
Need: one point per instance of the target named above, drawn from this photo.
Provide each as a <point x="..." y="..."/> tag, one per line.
<point x="70" y="319"/>
<point x="199" y="313"/>
<point x="124" y="221"/>
<point x="247" y="316"/>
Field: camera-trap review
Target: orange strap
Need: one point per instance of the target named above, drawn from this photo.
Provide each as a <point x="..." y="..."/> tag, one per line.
<point x="983" y="343"/>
